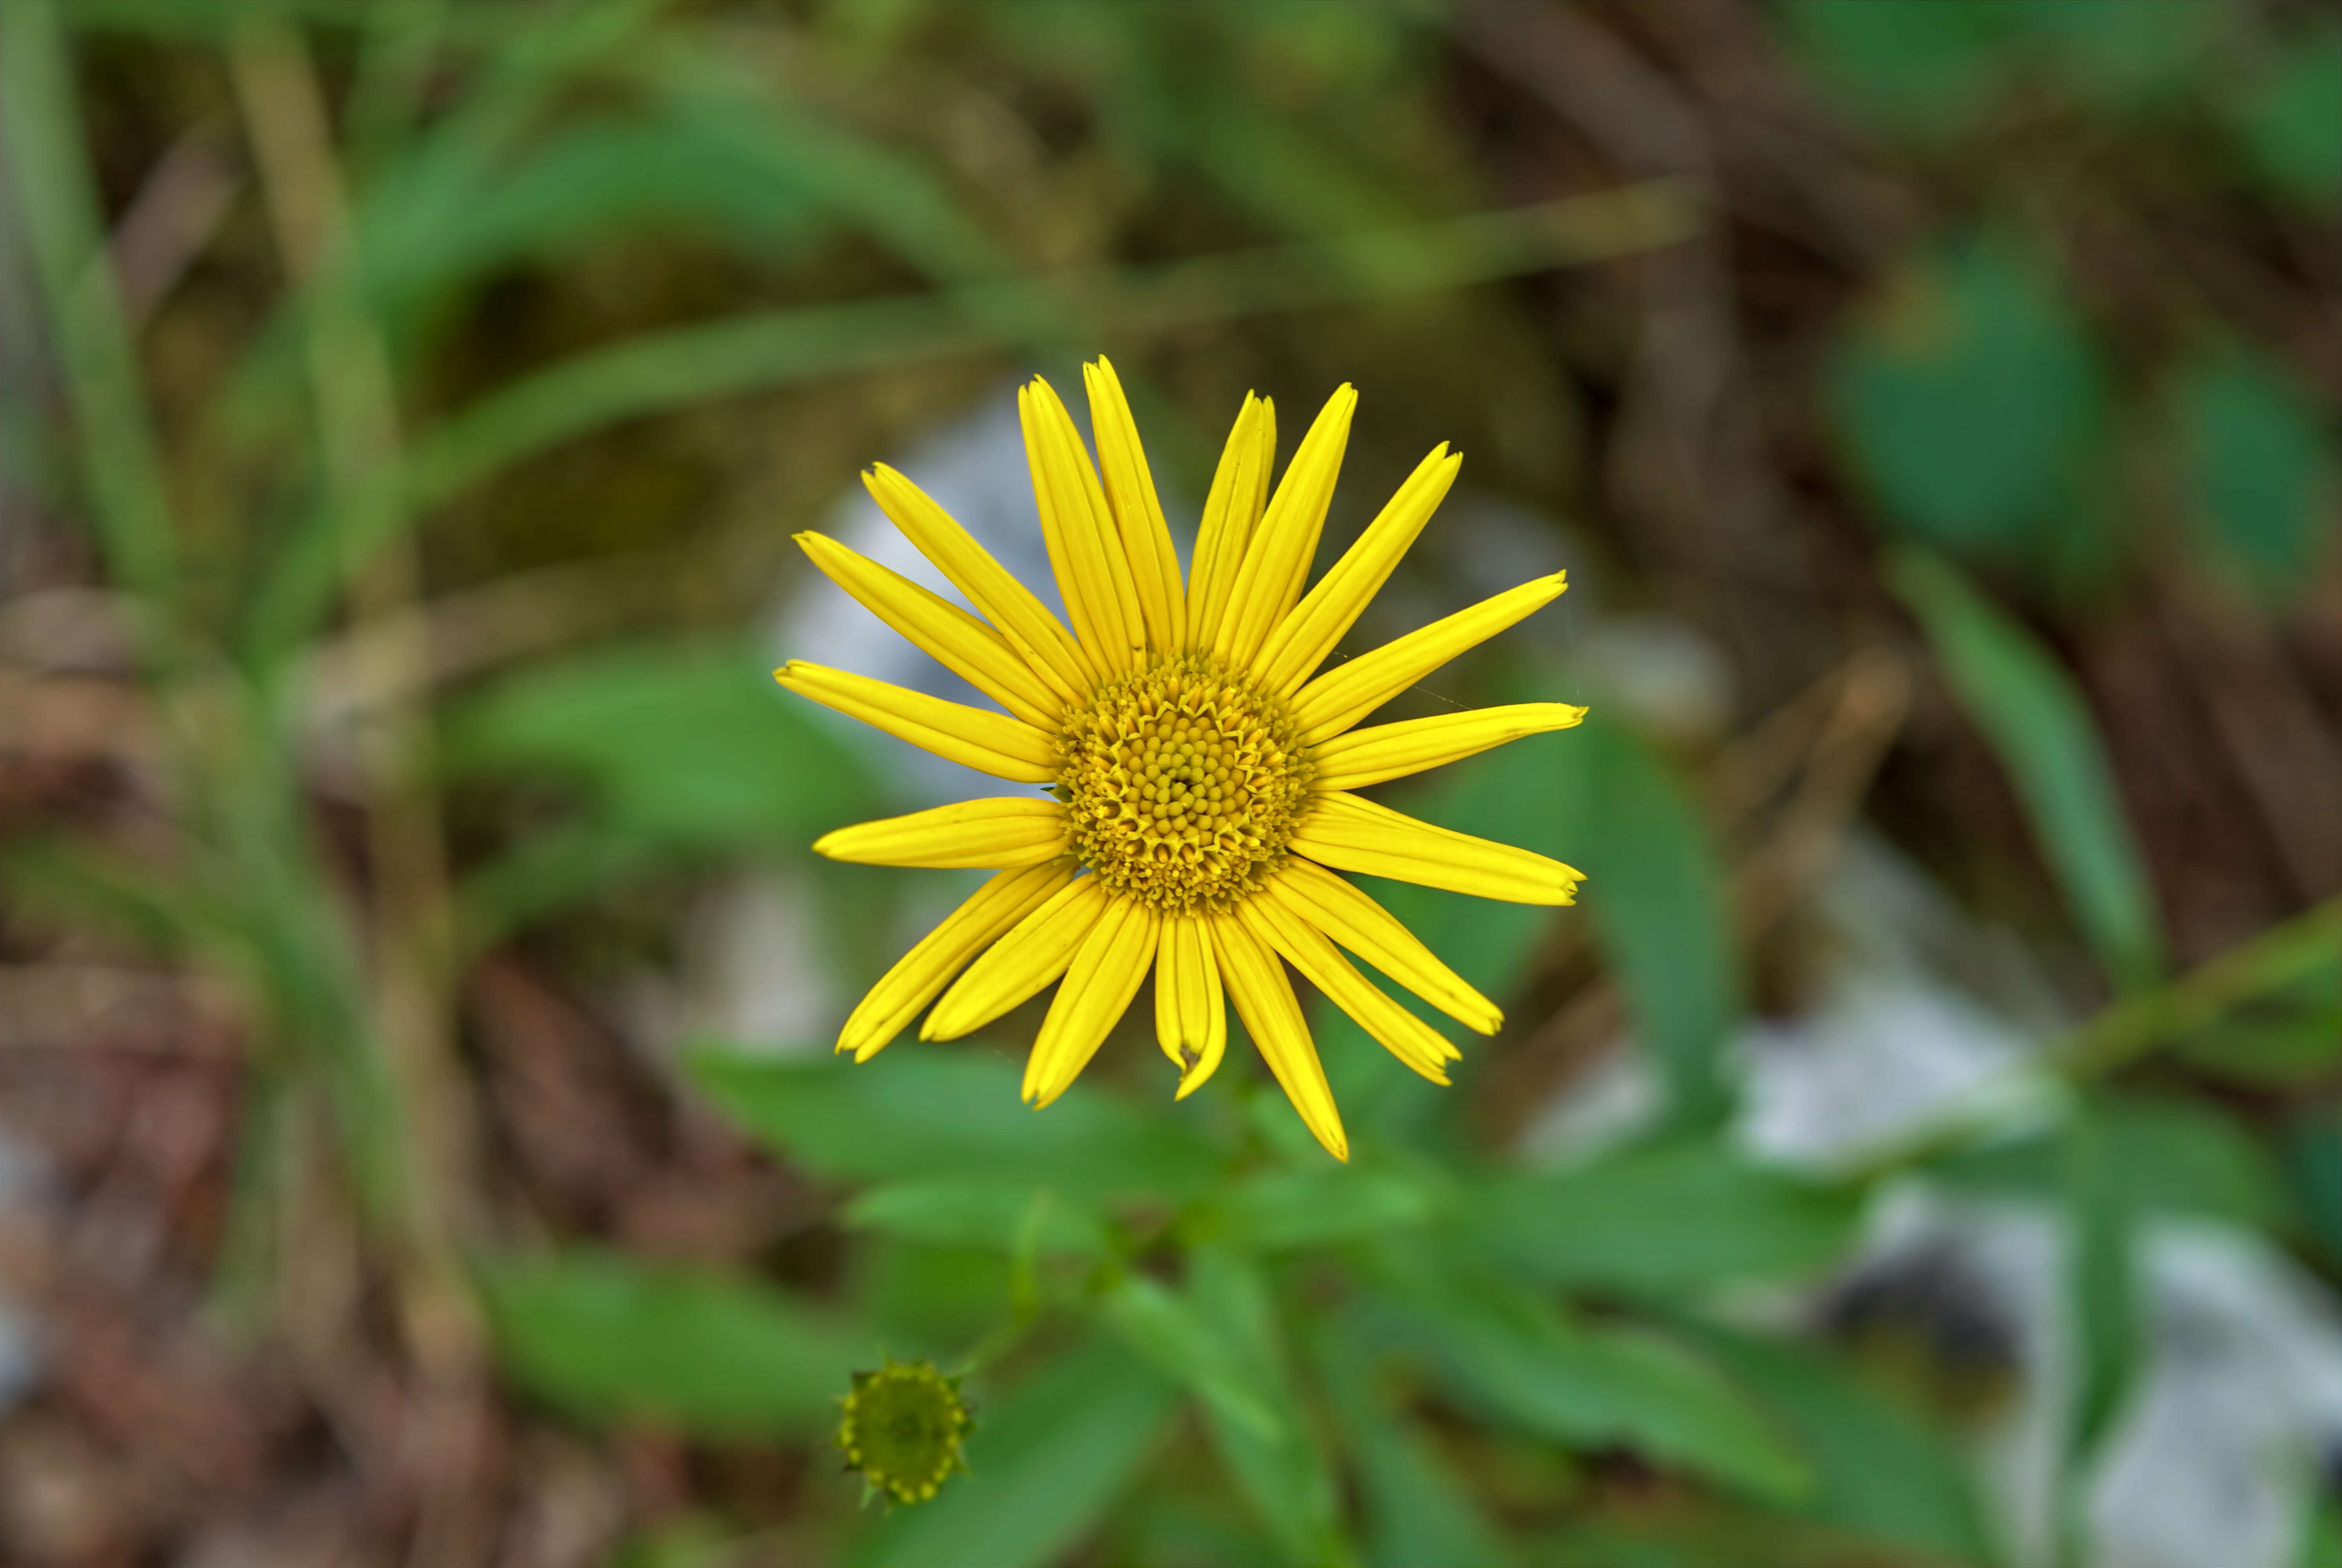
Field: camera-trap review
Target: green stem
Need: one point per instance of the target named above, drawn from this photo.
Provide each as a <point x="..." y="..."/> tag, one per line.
<point x="2132" y="1028"/>
<point x="40" y="121"/>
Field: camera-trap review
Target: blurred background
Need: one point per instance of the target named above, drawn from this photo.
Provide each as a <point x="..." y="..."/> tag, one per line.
<point x="419" y="1139"/>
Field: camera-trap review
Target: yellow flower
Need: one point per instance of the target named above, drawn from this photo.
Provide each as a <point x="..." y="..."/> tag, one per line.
<point x="1202" y="781"/>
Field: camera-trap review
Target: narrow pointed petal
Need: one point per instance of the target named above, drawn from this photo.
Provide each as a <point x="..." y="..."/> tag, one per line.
<point x="1349" y="691"/>
<point x="1084" y="547"/>
<point x="1137" y="511"/>
<point x="1303" y="638"/>
<point x="1014" y="969"/>
<point x="1272" y="1016"/>
<point x="920" y="974"/>
<point x="1101" y="981"/>
<point x="987" y="833"/>
<point x="1191" y="1018"/>
<point x="1422" y="1048"/>
<point x="957" y="640"/>
<point x="991" y="743"/>
<point x="1170" y="1024"/>
<point x="1358" y="758"/>
<point x="1276" y="561"/>
<point x="1231" y="513"/>
<point x="1352" y="833"/>
<point x="997" y="597"/>
<point x="1351" y="918"/>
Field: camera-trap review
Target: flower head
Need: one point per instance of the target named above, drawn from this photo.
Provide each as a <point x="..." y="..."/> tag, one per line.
<point x="902" y="1427"/>
<point x="1200" y="769"/>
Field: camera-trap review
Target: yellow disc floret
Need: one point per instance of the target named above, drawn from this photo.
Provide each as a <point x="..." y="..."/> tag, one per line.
<point x="1182" y="784"/>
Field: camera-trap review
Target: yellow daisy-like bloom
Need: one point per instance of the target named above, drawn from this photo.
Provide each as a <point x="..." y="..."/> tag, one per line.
<point x="1202" y="770"/>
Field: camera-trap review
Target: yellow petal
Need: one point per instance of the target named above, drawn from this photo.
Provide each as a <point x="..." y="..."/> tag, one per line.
<point x="1191" y="1018"/>
<point x="992" y="743"/>
<point x="1351" y="834"/>
<point x="1401" y="1032"/>
<point x="989" y="833"/>
<point x="1358" y="758"/>
<point x="1104" y="976"/>
<point x="1276" y="561"/>
<point x="1303" y="638"/>
<point x="1351" y="918"/>
<point x="1349" y="691"/>
<point x="959" y="641"/>
<point x="1272" y="1016"/>
<point x="997" y="595"/>
<point x="1138" y="512"/>
<point x="1231" y="513"/>
<point x="1093" y="570"/>
<point x="1264" y="471"/>
<point x="1014" y="969"/>
<point x="919" y="974"/>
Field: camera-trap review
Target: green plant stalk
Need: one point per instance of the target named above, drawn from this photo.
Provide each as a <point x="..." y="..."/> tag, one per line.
<point x="224" y="746"/>
<point x="2267" y="962"/>
<point x="358" y="434"/>
<point x="2138" y="1026"/>
<point x="59" y="207"/>
<point x="672" y="369"/>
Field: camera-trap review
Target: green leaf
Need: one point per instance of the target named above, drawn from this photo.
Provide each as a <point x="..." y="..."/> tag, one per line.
<point x="707" y="148"/>
<point x="1276" y="1209"/>
<point x="1969" y="400"/>
<point x="1418" y="1511"/>
<point x="2313" y="1168"/>
<point x="2291" y="118"/>
<point x="1654" y="891"/>
<point x="443" y="216"/>
<point x="692" y="747"/>
<point x="1928" y="70"/>
<point x="2102" y="1280"/>
<point x="611" y="1339"/>
<point x="1879" y="1468"/>
<point x="2260" y="466"/>
<point x="1283" y="1471"/>
<point x="923" y="1299"/>
<point x="1045" y="1462"/>
<point x="1663" y="1218"/>
<point x="2166" y="1155"/>
<point x="2037" y="725"/>
<point x="938" y="1113"/>
<point x="1598" y="1385"/>
<point x="1000" y="1216"/>
<point x="1165" y="1327"/>
<point x="892" y="197"/>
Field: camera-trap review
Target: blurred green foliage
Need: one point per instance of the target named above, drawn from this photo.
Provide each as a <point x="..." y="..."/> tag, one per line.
<point x="1972" y="400"/>
<point x="2291" y="118"/>
<point x="708" y="1354"/>
<point x="2029" y="710"/>
<point x="2261" y="466"/>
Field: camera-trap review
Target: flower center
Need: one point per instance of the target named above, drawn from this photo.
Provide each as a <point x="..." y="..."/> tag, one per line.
<point x="1182" y="783"/>
<point x="903" y="1428"/>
